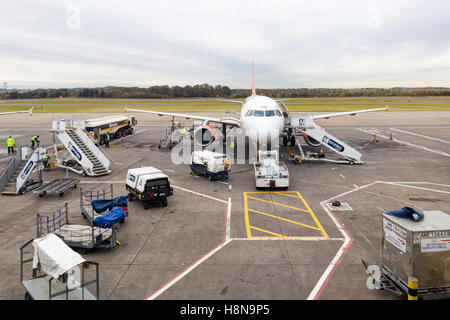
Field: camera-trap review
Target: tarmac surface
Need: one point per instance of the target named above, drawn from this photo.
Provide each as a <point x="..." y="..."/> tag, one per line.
<point x="227" y="240"/>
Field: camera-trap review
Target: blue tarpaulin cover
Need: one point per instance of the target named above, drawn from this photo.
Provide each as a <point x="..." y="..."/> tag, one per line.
<point x="107" y="220"/>
<point x="407" y="212"/>
<point x="100" y="206"/>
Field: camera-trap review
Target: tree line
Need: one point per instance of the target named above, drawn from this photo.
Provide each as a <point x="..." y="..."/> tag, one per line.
<point x="206" y="90"/>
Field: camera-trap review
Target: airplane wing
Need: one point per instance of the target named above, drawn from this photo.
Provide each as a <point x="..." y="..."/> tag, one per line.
<point x="230" y="101"/>
<point x="352" y="113"/>
<point x="229" y="121"/>
<point x="30" y="112"/>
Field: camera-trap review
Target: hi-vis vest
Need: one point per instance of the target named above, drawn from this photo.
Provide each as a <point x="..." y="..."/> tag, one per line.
<point x="10" y="142"/>
<point x="34" y="138"/>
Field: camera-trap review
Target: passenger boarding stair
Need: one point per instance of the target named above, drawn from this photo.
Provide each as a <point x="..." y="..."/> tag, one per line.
<point x="18" y="171"/>
<point x="308" y="127"/>
<point x="82" y="149"/>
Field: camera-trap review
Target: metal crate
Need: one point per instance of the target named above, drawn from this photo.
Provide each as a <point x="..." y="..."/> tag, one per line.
<point x="418" y="249"/>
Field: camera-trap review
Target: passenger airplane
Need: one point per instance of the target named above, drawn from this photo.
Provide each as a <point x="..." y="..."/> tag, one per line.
<point x="260" y="118"/>
<point x="30" y="112"/>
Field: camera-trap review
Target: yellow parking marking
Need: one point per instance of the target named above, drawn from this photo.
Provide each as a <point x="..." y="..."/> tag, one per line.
<point x="287" y="220"/>
<point x="288" y="195"/>
<point x="279" y="204"/>
<point x="292" y="194"/>
<point x="247" y="223"/>
<point x="267" y="231"/>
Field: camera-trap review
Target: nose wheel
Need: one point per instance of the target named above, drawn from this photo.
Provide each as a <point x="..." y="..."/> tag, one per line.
<point x="288" y="139"/>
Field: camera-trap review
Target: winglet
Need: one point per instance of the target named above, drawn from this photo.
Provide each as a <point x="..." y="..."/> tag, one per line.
<point x="387" y="108"/>
<point x="253" y="79"/>
<point x="30" y="112"/>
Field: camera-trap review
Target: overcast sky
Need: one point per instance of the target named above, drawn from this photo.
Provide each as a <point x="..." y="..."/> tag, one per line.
<point x="59" y="43"/>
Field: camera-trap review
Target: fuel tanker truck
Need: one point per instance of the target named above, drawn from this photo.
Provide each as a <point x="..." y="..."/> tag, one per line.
<point x="117" y="125"/>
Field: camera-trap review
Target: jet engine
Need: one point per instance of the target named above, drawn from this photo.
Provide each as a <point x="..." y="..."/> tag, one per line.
<point x="204" y="135"/>
<point x="311" y="141"/>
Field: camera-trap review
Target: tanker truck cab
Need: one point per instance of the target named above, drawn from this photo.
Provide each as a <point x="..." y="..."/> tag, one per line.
<point x="149" y="185"/>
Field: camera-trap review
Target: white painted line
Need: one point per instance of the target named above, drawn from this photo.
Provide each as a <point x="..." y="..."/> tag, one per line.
<point x="420" y="188"/>
<point x="178" y="277"/>
<point x="228" y="225"/>
<point x="225" y="241"/>
<point x="421" y="135"/>
<point x="100" y="181"/>
<point x="116" y="141"/>
<point x="413" y="145"/>
<point x="342" y="176"/>
<point x="223" y="182"/>
<point x="435" y="184"/>
<point x="200" y="194"/>
<point x="169" y="170"/>
<point x="355" y="186"/>
<point x="440" y="127"/>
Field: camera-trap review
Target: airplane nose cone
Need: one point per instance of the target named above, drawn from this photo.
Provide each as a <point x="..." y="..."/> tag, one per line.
<point x="265" y="132"/>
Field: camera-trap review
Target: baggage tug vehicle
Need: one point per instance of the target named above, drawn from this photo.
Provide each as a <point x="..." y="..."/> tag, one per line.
<point x="149" y="185"/>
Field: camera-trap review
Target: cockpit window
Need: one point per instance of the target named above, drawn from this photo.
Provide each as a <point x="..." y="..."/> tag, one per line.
<point x="249" y="113"/>
<point x="270" y="113"/>
<point x="278" y="113"/>
<point x="258" y="113"/>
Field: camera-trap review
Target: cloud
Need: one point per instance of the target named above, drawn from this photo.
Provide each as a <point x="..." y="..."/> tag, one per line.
<point x="294" y="43"/>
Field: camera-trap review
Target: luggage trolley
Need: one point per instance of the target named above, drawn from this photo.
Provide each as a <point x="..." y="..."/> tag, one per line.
<point x="104" y="200"/>
<point x="56" y="187"/>
<point x="74" y="235"/>
<point x="58" y="272"/>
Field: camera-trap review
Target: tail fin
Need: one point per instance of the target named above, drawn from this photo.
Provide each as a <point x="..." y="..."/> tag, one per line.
<point x="253" y="79"/>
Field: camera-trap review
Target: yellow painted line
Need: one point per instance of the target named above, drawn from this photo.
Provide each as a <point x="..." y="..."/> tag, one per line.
<point x="247" y="224"/>
<point x="285" y="194"/>
<point x="312" y="214"/>
<point x="267" y="231"/>
<point x="279" y="204"/>
<point x="299" y="196"/>
<point x="287" y="220"/>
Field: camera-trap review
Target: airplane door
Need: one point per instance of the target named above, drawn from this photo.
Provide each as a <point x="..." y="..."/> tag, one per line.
<point x="97" y="134"/>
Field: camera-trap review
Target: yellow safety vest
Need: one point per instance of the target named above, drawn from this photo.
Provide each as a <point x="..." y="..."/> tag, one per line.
<point x="10" y="142"/>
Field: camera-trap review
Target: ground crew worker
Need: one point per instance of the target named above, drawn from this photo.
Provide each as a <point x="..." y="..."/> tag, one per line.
<point x="10" y="143"/>
<point x="232" y="144"/>
<point x="46" y="159"/>
<point x="34" y="141"/>
<point x="184" y="131"/>
<point x="107" y="140"/>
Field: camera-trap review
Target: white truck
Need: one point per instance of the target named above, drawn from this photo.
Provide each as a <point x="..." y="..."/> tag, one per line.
<point x="269" y="173"/>
<point x="149" y="185"/>
<point x="214" y="165"/>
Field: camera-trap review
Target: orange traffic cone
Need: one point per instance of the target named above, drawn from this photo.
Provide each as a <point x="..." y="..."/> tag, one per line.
<point x="390" y="135"/>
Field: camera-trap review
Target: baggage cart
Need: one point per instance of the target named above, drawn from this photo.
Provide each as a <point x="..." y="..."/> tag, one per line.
<point x="57" y="272"/>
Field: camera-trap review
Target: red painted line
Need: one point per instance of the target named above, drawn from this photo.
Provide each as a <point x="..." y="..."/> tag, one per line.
<point x="347" y="247"/>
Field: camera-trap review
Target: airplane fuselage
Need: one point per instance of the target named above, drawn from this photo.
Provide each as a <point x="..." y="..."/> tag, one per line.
<point x="261" y="119"/>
